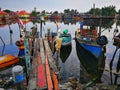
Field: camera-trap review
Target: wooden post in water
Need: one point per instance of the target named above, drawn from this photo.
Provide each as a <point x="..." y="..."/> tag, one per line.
<point x="100" y="26"/>
<point x="41" y="28"/>
<point x="27" y="58"/>
<point x="48" y="32"/>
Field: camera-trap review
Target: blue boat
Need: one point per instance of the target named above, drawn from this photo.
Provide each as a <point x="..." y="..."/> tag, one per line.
<point x="90" y="49"/>
<point x="89" y="39"/>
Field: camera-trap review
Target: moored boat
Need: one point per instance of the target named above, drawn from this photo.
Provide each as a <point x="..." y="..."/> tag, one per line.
<point x="66" y="45"/>
<point x="93" y="65"/>
<point x="90" y="40"/>
<point x="90" y="49"/>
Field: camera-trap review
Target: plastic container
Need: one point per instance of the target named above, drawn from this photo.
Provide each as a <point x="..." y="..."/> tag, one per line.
<point x="17" y="72"/>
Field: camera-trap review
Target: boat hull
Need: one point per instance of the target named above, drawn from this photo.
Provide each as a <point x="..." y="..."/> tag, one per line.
<point x="65" y="52"/>
<point x="93" y="65"/>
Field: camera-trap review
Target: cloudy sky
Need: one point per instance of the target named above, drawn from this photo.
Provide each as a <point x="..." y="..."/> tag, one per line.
<point x="56" y="5"/>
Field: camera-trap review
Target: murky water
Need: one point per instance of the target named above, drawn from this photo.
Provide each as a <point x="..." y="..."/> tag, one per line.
<point x="71" y="67"/>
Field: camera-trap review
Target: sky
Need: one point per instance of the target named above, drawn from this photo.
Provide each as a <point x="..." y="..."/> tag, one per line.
<point x="56" y="5"/>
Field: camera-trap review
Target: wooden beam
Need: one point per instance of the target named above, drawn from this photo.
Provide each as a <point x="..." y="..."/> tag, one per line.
<point x="50" y="56"/>
<point x="42" y="52"/>
<point x="41" y="81"/>
<point x="48" y="74"/>
<point x="55" y="81"/>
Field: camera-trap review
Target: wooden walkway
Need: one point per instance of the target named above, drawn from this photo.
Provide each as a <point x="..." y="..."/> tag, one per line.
<point x="44" y="73"/>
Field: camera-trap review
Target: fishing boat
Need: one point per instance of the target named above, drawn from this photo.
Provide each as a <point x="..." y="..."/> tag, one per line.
<point x="89" y="39"/>
<point x="66" y="45"/>
<point x="90" y="50"/>
<point x="9" y="55"/>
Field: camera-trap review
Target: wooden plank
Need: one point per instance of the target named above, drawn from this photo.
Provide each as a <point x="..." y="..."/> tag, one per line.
<point x="42" y="53"/>
<point x="49" y="80"/>
<point x="27" y="56"/>
<point x="32" y="80"/>
<point x="50" y="58"/>
<point x="55" y="81"/>
<point x="33" y="73"/>
<point x="39" y="59"/>
<point x="41" y="81"/>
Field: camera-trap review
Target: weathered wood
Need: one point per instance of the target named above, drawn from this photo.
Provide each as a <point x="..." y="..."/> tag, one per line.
<point x="50" y="56"/>
<point x="41" y="81"/>
<point x="55" y="81"/>
<point x="33" y="73"/>
<point x="49" y="79"/>
<point x="32" y="80"/>
<point x="42" y="52"/>
<point x="27" y="56"/>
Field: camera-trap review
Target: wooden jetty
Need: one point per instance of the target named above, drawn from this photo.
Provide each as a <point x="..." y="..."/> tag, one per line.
<point x="43" y="66"/>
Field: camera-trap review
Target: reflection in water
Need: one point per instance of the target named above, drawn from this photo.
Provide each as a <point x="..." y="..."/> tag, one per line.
<point x="65" y="52"/>
<point x="111" y="64"/>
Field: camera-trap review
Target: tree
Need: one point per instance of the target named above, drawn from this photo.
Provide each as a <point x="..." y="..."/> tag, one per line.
<point x="108" y="11"/>
<point x="105" y="11"/>
<point x="67" y="11"/>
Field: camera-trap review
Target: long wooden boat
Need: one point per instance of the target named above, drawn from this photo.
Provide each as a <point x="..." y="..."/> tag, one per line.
<point x="90" y="51"/>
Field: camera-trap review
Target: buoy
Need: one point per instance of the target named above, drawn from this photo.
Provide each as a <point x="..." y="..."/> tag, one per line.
<point x="102" y="40"/>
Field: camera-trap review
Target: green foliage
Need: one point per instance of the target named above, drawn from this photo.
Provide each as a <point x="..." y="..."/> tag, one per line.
<point x="105" y="11"/>
<point x="8" y="11"/>
<point x="34" y="13"/>
<point x="108" y="11"/>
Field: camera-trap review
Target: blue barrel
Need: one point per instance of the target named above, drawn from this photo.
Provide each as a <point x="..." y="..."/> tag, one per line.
<point x="17" y="72"/>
